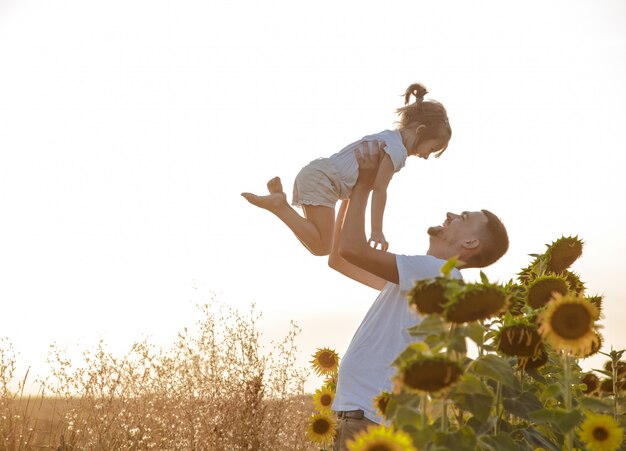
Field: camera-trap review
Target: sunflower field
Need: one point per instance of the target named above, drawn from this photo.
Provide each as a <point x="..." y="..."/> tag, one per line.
<point x="523" y="387"/>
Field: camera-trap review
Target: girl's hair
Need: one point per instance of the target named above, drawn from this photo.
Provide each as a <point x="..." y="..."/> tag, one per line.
<point x="430" y="113"/>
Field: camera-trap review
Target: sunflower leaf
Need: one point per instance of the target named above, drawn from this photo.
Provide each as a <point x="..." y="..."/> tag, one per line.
<point x="558" y="417"/>
<point x="460" y="440"/>
<point x="483" y="278"/>
<point x="472" y="395"/>
<point x="447" y="268"/>
<point x="476" y="332"/>
<point x="498" y="442"/>
<point x="522" y="404"/>
<point x="430" y="325"/>
<point x="596" y="405"/>
<point x="497" y="369"/>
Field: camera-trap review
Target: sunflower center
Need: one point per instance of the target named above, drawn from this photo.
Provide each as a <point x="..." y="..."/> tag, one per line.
<point x="431" y="376"/>
<point x="571" y="321"/>
<point x="379" y="447"/>
<point x="327" y="360"/>
<point x="600" y="434"/>
<point x="326" y="400"/>
<point x="321" y="426"/>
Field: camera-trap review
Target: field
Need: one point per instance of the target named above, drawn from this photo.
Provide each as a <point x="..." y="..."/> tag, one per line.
<point x="215" y="389"/>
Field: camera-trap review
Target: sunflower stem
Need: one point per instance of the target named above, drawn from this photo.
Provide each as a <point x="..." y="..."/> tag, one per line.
<point x="498" y="407"/>
<point x="444" y="416"/>
<point x="423" y="400"/>
<point x="614" y="363"/>
<point x="567" y="396"/>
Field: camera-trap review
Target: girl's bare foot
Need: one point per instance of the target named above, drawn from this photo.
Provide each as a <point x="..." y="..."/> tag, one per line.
<point x="275" y="185"/>
<point x="272" y="202"/>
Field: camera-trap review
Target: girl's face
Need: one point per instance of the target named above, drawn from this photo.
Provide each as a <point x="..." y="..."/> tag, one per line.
<point x="426" y="147"/>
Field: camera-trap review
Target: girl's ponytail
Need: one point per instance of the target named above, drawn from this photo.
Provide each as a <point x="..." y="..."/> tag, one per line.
<point x="430" y="113"/>
<point x="416" y="90"/>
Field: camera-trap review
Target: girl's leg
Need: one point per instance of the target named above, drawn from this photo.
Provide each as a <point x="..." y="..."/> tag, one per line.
<point x="315" y="230"/>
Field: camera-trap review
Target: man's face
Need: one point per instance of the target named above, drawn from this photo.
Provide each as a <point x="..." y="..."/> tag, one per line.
<point x="456" y="233"/>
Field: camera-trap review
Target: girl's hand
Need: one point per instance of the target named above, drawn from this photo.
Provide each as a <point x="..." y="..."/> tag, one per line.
<point x="377" y="239"/>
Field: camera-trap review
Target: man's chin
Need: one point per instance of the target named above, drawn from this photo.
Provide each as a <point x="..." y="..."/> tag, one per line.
<point x="434" y="230"/>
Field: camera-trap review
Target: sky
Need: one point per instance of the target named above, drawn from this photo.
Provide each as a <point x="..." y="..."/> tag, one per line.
<point x="128" y="131"/>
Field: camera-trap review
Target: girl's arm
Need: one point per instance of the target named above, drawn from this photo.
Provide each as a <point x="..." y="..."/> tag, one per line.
<point x="379" y="200"/>
<point x="340" y="264"/>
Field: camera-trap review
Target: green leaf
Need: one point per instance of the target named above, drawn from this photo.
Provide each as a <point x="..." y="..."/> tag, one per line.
<point x="457" y="343"/>
<point x="551" y="391"/>
<point x="448" y="266"/>
<point x="483" y="278"/>
<point x="522" y="405"/>
<point x="476" y="332"/>
<point x="537" y="439"/>
<point x="596" y="405"/>
<point x="405" y="416"/>
<point x="472" y="395"/>
<point x="498" y="442"/>
<point x="430" y="325"/>
<point x="558" y="417"/>
<point x="421" y="437"/>
<point x="497" y="369"/>
<point x="463" y="439"/>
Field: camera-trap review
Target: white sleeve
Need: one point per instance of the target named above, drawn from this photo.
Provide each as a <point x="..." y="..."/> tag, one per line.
<point x="412" y="268"/>
<point x="398" y="156"/>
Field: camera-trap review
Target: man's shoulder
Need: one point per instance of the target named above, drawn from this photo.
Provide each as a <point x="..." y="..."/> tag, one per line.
<point x="412" y="268"/>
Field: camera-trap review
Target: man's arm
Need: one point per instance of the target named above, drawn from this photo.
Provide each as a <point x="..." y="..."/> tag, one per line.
<point x="353" y="245"/>
<point x="338" y="263"/>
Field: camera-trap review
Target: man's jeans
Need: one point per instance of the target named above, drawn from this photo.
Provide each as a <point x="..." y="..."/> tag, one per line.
<point x="347" y="428"/>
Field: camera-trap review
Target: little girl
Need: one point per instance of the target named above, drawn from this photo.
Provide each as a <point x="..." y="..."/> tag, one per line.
<point x="423" y="129"/>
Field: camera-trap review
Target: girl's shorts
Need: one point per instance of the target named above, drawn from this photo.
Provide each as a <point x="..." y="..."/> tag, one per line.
<point x="318" y="183"/>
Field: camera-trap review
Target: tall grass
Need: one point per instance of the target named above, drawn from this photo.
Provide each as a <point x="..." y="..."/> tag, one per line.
<point x="216" y="388"/>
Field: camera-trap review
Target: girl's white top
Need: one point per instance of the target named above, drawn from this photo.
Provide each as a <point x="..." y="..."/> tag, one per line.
<point x="346" y="163"/>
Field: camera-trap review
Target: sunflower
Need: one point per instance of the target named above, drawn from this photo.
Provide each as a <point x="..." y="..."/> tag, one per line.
<point x="380" y="403"/>
<point x="574" y="282"/>
<point x="381" y="438"/>
<point x="567" y="323"/>
<point x="517" y="298"/>
<point x="540" y="290"/>
<point x="428" y="375"/>
<point x="606" y="386"/>
<point x="321" y="428"/>
<point x="601" y="433"/>
<point x="596" y="300"/>
<point x="518" y="339"/>
<point x="562" y="253"/>
<point x="331" y="381"/>
<point x="532" y="271"/>
<point x="323" y="399"/>
<point x="592" y="383"/>
<point x="428" y="296"/>
<point x="621" y="367"/>
<point x="325" y="362"/>
<point x="596" y="345"/>
<point x="535" y="361"/>
<point x="477" y="302"/>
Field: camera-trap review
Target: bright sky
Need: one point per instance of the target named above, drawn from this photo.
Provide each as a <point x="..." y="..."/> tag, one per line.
<point x="128" y="130"/>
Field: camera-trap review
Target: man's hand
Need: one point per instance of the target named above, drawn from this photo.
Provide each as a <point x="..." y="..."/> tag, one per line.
<point x="368" y="160"/>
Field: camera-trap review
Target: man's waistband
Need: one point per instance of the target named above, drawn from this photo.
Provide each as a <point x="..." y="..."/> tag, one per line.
<point x="354" y="414"/>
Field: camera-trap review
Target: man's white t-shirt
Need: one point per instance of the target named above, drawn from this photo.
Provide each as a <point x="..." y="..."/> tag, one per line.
<point x="366" y="368"/>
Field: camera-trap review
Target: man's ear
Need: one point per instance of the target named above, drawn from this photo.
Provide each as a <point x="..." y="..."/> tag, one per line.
<point x="419" y="129"/>
<point x="471" y="244"/>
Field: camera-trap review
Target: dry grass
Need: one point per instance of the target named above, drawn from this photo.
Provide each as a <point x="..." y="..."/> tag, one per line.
<point x="215" y="389"/>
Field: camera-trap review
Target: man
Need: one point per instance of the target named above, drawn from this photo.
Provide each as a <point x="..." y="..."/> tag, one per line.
<point x="477" y="238"/>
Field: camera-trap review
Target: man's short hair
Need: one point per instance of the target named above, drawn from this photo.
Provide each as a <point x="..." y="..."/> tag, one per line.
<point x="493" y="244"/>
